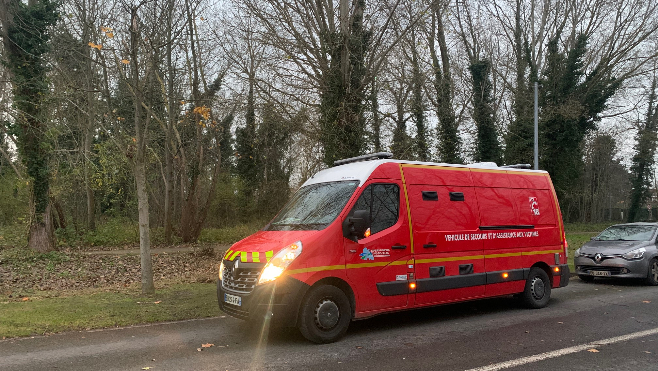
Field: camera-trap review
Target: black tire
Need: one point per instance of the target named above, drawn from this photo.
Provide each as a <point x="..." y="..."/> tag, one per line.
<point x="652" y="274"/>
<point x="317" y="317"/>
<point x="537" y="290"/>
<point x="585" y="278"/>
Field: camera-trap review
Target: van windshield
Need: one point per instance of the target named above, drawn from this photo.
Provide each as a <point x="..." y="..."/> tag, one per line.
<point x="313" y="207"/>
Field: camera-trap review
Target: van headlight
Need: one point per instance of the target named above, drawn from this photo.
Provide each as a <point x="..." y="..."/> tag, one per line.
<point x="275" y="267"/>
<point x="635" y="254"/>
<point x="221" y="270"/>
<point x="577" y="253"/>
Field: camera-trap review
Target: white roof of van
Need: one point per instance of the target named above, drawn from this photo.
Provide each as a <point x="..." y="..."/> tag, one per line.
<point x="361" y="170"/>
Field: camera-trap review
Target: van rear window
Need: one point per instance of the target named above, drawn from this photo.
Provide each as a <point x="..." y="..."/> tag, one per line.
<point x="313" y="207"/>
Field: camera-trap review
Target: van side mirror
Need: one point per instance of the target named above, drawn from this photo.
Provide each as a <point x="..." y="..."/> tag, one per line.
<point x="355" y="226"/>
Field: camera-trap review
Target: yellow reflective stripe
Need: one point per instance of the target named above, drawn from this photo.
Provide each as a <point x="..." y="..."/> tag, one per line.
<point x="417" y="261"/>
<point x="502" y="255"/>
<point x="541" y="252"/>
<point x="367" y="265"/>
<point x="255" y="257"/>
<point x="268" y="255"/>
<point x="401" y="262"/>
<point x="228" y="252"/>
<point x="234" y="255"/>
<point x="243" y="256"/>
<point x="315" y="269"/>
<point x="449" y="259"/>
<point x="406" y="198"/>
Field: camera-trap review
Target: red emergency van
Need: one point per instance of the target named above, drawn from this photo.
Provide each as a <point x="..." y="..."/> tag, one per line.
<point x="374" y="235"/>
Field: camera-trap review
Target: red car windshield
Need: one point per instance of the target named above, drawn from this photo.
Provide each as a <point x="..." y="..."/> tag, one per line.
<point x="313" y="207"/>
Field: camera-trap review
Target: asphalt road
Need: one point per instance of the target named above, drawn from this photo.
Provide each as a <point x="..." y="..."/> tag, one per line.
<point x="596" y="326"/>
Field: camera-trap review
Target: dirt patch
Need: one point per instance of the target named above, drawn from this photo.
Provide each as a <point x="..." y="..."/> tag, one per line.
<point x="67" y="271"/>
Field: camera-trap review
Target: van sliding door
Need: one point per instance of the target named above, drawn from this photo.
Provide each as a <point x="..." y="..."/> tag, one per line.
<point x="448" y="254"/>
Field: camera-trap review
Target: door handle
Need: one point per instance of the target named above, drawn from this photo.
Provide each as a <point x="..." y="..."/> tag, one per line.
<point x="429" y="245"/>
<point x="398" y="247"/>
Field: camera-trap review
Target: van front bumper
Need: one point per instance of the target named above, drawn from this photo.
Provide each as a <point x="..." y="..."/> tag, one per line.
<point x="277" y="302"/>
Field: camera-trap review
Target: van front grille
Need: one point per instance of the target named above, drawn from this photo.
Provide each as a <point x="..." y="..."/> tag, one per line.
<point x="242" y="280"/>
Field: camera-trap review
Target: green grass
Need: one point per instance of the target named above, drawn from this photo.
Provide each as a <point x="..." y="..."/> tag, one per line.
<point x="229" y="235"/>
<point x="123" y="233"/>
<point x="44" y="314"/>
<point x="13" y="235"/>
<point x="587" y="227"/>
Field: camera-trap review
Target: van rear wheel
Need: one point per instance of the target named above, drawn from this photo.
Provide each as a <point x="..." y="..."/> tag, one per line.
<point x="537" y="290"/>
<point x="325" y="314"/>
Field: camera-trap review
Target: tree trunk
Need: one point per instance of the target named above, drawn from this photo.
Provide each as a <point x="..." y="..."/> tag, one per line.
<point x="42" y="233"/>
<point x="144" y="231"/>
<point x="169" y="135"/>
<point x="139" y="168"/>
<point x="89" y="122"/>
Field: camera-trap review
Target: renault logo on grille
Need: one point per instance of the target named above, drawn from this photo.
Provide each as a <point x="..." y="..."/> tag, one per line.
<point x="598" y="257"/>
<point x="234" y="270"/>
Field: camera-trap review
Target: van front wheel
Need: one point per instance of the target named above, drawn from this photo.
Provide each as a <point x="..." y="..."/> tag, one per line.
<point x="537" y="290"/>
<point x="325" y="314"/>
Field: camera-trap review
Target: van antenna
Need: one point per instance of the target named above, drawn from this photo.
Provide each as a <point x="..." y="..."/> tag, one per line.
<point x="372" y="156"/>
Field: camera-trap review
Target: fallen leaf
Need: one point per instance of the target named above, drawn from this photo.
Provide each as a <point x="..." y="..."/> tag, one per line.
<point x="26" y="299"/>
<point x="561" y="322"/>
<point x="125" y="61"/>
<point x="198" y="349"/>
<point x="157" y="302"/>
<point x="592" y="350"/>
<point x="647" y="352"/>
<point x="146" y="368"/>
<point x="646" y="301"/>
<point x="359" y="347"/>
<point x="208" y="345"/>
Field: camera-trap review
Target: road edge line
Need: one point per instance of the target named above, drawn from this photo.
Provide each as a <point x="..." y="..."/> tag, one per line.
<point x="564" y="351"/>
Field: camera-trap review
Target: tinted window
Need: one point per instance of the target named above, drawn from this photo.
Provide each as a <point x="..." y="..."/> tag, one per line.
<point x="313" y="207"/>
<point x="383" y="201"/>
<point x="627" y="233"/>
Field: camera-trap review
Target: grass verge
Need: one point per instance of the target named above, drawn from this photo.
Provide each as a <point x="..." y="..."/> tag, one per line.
<point x="50" y="312"/>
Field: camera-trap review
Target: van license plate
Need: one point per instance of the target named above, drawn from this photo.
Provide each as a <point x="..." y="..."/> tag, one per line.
<point x="233" y="299"/>
<point x="599" y="273"/>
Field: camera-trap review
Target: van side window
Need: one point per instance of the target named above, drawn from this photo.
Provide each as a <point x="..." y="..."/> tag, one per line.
<point x="383" y="201"/>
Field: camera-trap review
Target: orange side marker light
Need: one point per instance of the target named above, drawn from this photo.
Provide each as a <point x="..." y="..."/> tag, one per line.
<point x="505" y="275"/>
<point x="412" y="285"/>
<point x="556" y="269"/>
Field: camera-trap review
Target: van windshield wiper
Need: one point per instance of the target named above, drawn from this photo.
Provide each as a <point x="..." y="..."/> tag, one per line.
<point x="297" y="224"/>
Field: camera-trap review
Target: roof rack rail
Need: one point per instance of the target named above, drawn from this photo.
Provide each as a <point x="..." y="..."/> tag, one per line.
<point x="518" y="166"/>
<point x="372" y="156"/>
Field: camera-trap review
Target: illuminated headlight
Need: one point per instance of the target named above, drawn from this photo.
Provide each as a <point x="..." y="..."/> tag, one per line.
<point x="221" y="270"/>
<point x="577" y="254"/>
<point x="635" y="254"/>
<point x="275" y="267"/>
